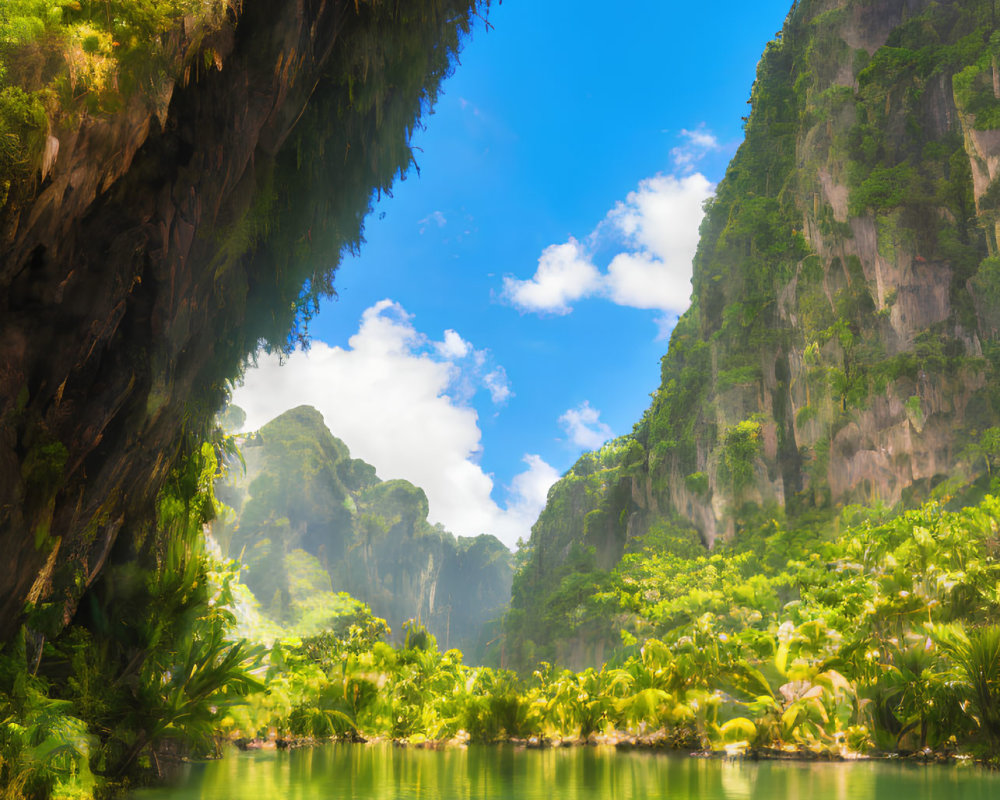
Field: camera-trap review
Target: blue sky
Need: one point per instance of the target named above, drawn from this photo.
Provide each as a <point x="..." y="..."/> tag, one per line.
<point x="511" y="303"/>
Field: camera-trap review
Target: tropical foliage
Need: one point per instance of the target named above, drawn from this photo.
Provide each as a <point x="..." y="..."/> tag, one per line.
<point x="877" y="634"/>
<point x="146" y="669"/>
<point x="880" y="637"/>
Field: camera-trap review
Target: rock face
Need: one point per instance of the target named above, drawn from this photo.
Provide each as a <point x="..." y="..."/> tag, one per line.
<point x="302" y="491"/>
<point x="160" y="244"/>
<point x="841" y="345"/>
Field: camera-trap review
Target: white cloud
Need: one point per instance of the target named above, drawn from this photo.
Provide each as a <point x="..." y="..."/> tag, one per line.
<point x="584" y="427"/>
<point x="564" y="274"/>
<point x="698" y="144"/>
<point x="391" y="396"/>
<point x="434" y="218"/>
<point x="657" y="224"/>
<point x="464" y="104"/>
<point x="453" y="346"/>
<point x="663" y="215"/>
<point x="498" y="385"/>
<point x="526" y="498"/>
<point x="639" y="280"/>
<point x="702" y="139"/>
<point x="660" y="221"/>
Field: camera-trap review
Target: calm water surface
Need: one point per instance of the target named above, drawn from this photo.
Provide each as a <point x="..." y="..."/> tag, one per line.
<point x="382" y="772"/>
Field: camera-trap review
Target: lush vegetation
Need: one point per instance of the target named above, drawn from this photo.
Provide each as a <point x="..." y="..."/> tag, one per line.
<point x="60" y="59"/>
<point x="874" y="634"/>
<point x="872" y="629"/>
<point x="879" y="638"/>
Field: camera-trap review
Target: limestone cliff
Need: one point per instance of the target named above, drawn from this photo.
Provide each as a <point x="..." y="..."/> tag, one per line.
<point x="156" y="231"/>
<point x="302" y="493"/>
<point x="841" y="344"/>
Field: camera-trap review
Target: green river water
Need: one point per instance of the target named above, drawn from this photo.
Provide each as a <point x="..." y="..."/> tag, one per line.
<point x="383" y="772"/>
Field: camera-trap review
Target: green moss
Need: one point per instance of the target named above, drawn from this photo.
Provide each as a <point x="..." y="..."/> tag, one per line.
<point x="737" y="376"/>
<point x="42" y="468"/>
<point x="115" y="48"/>
<point x="697" y="483"/>
<point x="741" y="445"/>
<point x="973" y="86"/>
<point x="986" y="281"/>
<point x="885" y="188"/>
<point x="22" y="135"/>
<point x="805" y="415"/>
<point x="914" y="409"/>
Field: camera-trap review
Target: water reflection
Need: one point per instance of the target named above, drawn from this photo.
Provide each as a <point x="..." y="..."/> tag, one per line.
<point x="383" y="772"/>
